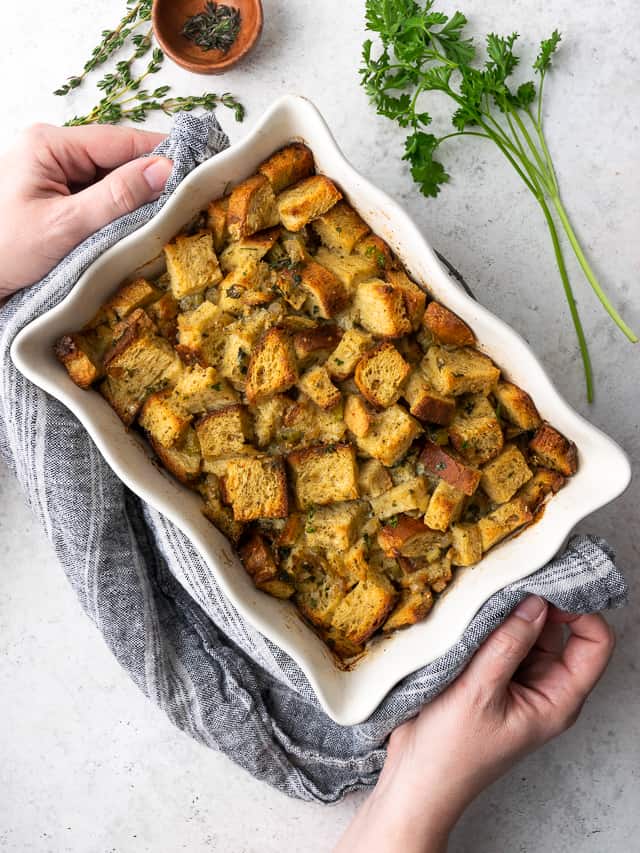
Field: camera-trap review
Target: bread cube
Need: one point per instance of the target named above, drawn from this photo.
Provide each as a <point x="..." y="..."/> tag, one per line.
<point x="200" y="389"/>
<point x="357" y="415"/>
<point x="551" y="449"/>
<point x="318" y="596"/>
<point x="272" y="368"/>
<point x="411" y="608"/>
<point x="502" y="477"/>
<point x="305" y="424"/>
<point x="317" y="343"/>
<point x="425" y="403"/>
<point x="381" y="310"/>
<point x="317" y="385"/>
<point x="335" y="527"/>
<point x="340" y="228"/>
<point x="267" y="419"/>
<point x="447" y="327"/>
<point x="445" y="506"/>
<point x="406" y="496"/>
<point x="343" y="360"/>
<point x="256" y="488"/>
<point x="225" y="432"/>
<point x="130" y="296"/>
<point x="543" y="482"/>
<point x="373" y="479"/>
<point x="192" y="264"/>
<point x="82" y="353"/>
<point x="438" y="461"/>
<point x="516" y="405"/>
<point x="164" y="421"/>
<point x="287" y="166"/>
<point x="504" y="520"/>
<point x="459" y="371"/>
<point x="252" y="207"/>
<point x="324" y="474"/>
<point x="375" y="248"/>
<point x="213" y="509"/>
<point x="258" y="560"/>
<point x="217" y="221"/>
<point x="390" y="436"/>
<point x="248" y="284"/>
<point x="364" y="609"/>
<point x="350" y="269"/>
<point x="414" y="297"/>
<point x="380" y="375"/>
<point x="254" y="247"/>
<point x="326" y="295"/>
<point x="466" y="544"/>
<point x="164" y="313"/>
<point x="201" y="336"/>
<point x="477" y="438"/>
<point x="408" y="537"/>
<point x="306" y="200"/>
<point x="183" y="460"/>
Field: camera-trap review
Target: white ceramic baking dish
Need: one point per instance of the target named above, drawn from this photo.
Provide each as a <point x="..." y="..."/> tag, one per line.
<point x="348" y="697"/>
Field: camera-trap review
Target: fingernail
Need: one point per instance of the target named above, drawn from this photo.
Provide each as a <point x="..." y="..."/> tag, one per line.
<point x="530" y="608"/>
<point x="157" y="173"/>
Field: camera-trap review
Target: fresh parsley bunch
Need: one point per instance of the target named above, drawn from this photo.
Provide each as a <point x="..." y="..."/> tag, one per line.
<point x="425" y="50"/>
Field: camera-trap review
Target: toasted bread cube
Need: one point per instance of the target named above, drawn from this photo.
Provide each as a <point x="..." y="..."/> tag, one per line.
<point x="183" y="460"/>
<point x="278" y="588"/>
<point x="459" y="371"/>
<point x="200" y="389"/>
<point x="258" y="560"/>
<point x="305" y="424"/>
<point x="357" y="416"/>
<point x="286" y="282"/>
<point x="164" y="313"/>
<point x="408" y="537"/>
<point x="317" y="385"/>
<point x="340" y="228"/>
<point x="192" y="264"/>
<point x="334" y="527"/>
<point x="381" y="310"/>
<point x="324" y="474"/>
<point x="224" y="432"/>
<point x="201" y="336"/>
<point x="447" y="327"/>
<point x="412" y="608"/>
<point x="217" y="221"/>
<point x="516" y="405"/>
<point x="363" y="610"/>
<point x="82" y="353"/>
<point x="317" y="343"/>
<point x="248" y="284"/>
<point x="476" y="438"/>
<point x="373" y="479"/>
<point x="425" y="403"/>
<point x="551" y="449"/>
<point x="272" y="368"/>
<point x="318" y="597"/>
<point x="406" y="496"/>
<point x="213" y="509"/>
<point x="256" y="488"/>
<point x="543" y="482"/>
<point x="287" y="166"/>
<point x="306" y="200"/>
<point x="445" y="506"/>
<point x="437" y="461"/>
<point x="503" y="521"/>
<point x="431" y="569"/>
<point x="414" y="297"/>
<point x="236" y="356"/>
<point x="351" y="269"/>
<point x="375" y="248"/>
<point x="390" y="435"/>
<point x="252" y="207"/>
<point x="343" y="360"/>
<point x="138" y="293"/>
<point x="380" y="375"/>
<point x="267" y="419"/>
<point x="254" y="247"/>
<point x="164" y="421"/>
<point x="502" y="477"/>
<point x="466" y="544"/>
<point x="326" y="295"/>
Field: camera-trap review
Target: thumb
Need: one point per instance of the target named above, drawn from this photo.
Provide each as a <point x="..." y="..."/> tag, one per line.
<point x="121" y="191"/>
<point x="496" y="661"/>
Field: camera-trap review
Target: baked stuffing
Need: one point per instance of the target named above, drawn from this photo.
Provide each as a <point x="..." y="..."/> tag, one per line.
<point x="341" y="427"/>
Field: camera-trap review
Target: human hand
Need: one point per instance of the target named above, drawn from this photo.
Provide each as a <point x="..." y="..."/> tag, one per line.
<point x="524" y="686"/>
<point x="60" y="184"/>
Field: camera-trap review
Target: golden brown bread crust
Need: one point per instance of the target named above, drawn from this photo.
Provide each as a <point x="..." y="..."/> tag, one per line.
<point x="551" y="449"/>
<point x="437" y="461"/>
<point x="447" y="327"/>
<point x="288" y="166"/>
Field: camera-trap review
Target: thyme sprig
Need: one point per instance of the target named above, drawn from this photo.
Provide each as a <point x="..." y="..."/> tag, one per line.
<point x="215" y="28"/>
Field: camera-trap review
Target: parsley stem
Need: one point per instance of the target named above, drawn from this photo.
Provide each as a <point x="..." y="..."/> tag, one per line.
<point x="586" y="268"/>
<point x="543" y="166"/>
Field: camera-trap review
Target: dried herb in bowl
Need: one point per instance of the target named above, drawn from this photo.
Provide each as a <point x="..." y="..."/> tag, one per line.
<point x="215" y="28"/>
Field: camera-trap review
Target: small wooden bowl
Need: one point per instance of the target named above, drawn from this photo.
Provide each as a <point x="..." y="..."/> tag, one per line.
<point x="168" y="18"/>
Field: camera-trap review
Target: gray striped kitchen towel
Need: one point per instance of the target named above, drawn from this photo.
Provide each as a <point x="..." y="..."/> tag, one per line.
<point x="215" y="676"/>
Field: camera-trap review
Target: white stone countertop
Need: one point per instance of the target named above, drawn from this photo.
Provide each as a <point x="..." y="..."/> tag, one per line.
<point x="87" y="764"/>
